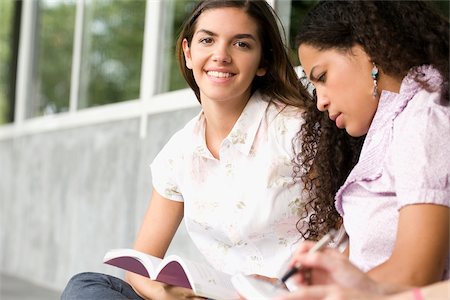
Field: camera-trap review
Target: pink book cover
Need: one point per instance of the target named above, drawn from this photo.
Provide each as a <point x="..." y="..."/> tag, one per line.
<point x="173" y="273"/>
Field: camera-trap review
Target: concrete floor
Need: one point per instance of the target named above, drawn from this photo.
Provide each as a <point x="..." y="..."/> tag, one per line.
<point x="12" y="288"/>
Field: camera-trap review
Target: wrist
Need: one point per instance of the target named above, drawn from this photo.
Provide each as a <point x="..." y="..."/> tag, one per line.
<point x="385" y="288"/>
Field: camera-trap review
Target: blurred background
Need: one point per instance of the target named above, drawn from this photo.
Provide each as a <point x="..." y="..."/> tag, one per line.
<point x="89" y="93"/>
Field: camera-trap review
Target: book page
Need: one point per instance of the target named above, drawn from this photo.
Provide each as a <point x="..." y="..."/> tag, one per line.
<point x="204" y="279"/>
<point x="253" y="288"/>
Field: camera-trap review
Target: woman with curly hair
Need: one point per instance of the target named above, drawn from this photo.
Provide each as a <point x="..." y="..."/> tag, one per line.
<point x="381" y="71"/>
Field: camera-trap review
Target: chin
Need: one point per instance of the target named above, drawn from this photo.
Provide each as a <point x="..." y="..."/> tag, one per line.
<point x="355" y="132"/>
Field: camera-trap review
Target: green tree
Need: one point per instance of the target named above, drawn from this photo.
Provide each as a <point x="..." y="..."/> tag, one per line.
<point x="182" y="9"/>
<point x="112" y="58"/>
<point x="6" y="11"/>
<point x="53" y="57"/>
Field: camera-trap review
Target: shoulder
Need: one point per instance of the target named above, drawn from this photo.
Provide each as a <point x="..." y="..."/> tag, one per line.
<point x="420" y="149"/>
<point x="424" y="113"/>
<point x="424" y="121"/>
<point x="287" y="119"/>
<point x="183" y="140"/>
<point x="284" y="123"/>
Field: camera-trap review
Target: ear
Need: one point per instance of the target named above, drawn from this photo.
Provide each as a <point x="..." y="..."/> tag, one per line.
<point x="261" y="72"/>
<point x="187" y="54"/>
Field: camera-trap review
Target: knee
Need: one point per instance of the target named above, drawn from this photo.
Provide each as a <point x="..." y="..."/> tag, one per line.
<point x="79" y="283"/>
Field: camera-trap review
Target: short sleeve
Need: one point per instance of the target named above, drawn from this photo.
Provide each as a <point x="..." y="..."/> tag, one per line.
<point x="421" y="146"/>
<point x="165" y="167"/>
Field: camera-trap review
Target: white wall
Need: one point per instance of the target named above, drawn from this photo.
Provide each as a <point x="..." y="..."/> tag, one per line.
<point x="67" y="196"/>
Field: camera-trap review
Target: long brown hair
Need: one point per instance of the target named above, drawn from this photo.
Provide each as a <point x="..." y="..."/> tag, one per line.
<point x="280" y="81"/>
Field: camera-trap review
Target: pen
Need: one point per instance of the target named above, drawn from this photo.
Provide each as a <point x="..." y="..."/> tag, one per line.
<point x="319" y="245"/>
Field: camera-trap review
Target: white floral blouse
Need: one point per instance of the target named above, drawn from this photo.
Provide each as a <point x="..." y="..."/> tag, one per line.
<point x="240" y="211"/>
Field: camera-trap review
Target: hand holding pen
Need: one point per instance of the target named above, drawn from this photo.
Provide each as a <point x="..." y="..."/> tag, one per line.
<point x="312" y="248"/>
<point x="328" y="266"/>
<point x="330" y="269"/>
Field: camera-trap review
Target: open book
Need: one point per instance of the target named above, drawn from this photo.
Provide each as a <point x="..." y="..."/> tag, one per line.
<point x="204" y="280"/>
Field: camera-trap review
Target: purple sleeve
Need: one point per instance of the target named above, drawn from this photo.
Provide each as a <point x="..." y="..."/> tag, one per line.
<point x="421" y="152"/>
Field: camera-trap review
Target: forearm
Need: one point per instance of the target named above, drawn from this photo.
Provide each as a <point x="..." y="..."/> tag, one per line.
<point x="439" y="290"/>
<point x="397" y="275"/>
<point x="389" y="288"/>
<point x="393" y="277"/>
<point x="157" y="230"/>
<point x="421" y="248"/>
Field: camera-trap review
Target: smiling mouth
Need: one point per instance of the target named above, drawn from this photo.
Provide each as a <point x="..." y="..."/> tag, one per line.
<point x="219" y="74"/>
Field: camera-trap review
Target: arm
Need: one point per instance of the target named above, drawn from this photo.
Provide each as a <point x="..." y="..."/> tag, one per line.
<point x="436" y="291"/>
<point x="421" y="247"/>
<point x="160" y="223"/>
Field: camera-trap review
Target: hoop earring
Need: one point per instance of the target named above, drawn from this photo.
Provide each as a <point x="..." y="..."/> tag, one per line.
<point x="374" y="75"/>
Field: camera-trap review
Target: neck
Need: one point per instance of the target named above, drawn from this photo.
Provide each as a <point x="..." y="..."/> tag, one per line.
<point x="220" y="118"/>
<point x="390" y="83"/>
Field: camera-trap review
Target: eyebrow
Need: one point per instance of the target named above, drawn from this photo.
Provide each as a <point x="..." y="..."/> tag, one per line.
<point x="237" y="36"/>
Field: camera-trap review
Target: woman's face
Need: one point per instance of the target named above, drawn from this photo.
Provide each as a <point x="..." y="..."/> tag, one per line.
<point x="224" y="54"/>
<point x="344" y="85"/>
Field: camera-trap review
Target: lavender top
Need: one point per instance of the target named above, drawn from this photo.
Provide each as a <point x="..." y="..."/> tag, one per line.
<point x="405" y="160"/>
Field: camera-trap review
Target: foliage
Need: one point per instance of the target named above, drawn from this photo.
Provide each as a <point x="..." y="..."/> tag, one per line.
<point x="6" y="10"/>
<point x="112" y="56"/>
<point x="53" y="58"/>
<point x="299" y="9"/>
<point x="182" y="9"/>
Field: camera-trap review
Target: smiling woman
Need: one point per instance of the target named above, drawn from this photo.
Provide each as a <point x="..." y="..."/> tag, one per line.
<point x="251" y="111"/>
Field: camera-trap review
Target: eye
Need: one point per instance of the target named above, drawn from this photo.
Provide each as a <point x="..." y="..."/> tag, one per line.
<point x="322" y="78"/>
<point x="206" y="40"/>
<point x="241" y="44"/>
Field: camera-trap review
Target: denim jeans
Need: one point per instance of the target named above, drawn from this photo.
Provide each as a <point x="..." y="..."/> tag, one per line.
<point x="92" y="286"/>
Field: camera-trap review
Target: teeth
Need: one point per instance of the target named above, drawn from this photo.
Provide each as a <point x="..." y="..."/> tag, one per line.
<point x="219" y="74"/>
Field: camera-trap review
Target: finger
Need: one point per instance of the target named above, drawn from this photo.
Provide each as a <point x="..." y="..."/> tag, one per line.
<point x="326" y="260"/>
<point x="302" y="249"/>
<point x="299" y="279"/>
<point x="265" y="278"/>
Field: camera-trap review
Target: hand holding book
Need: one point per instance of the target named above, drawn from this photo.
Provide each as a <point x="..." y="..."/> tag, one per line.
<point x="204" y="280"/>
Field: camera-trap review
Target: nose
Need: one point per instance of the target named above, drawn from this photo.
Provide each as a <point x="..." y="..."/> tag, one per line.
<point x="221" y="54"/>
<point x="322" y="101"/>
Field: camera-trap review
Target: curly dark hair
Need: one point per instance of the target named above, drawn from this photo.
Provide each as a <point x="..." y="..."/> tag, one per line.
<point x="398" y="36"/>
<point x="327" y="156"/>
